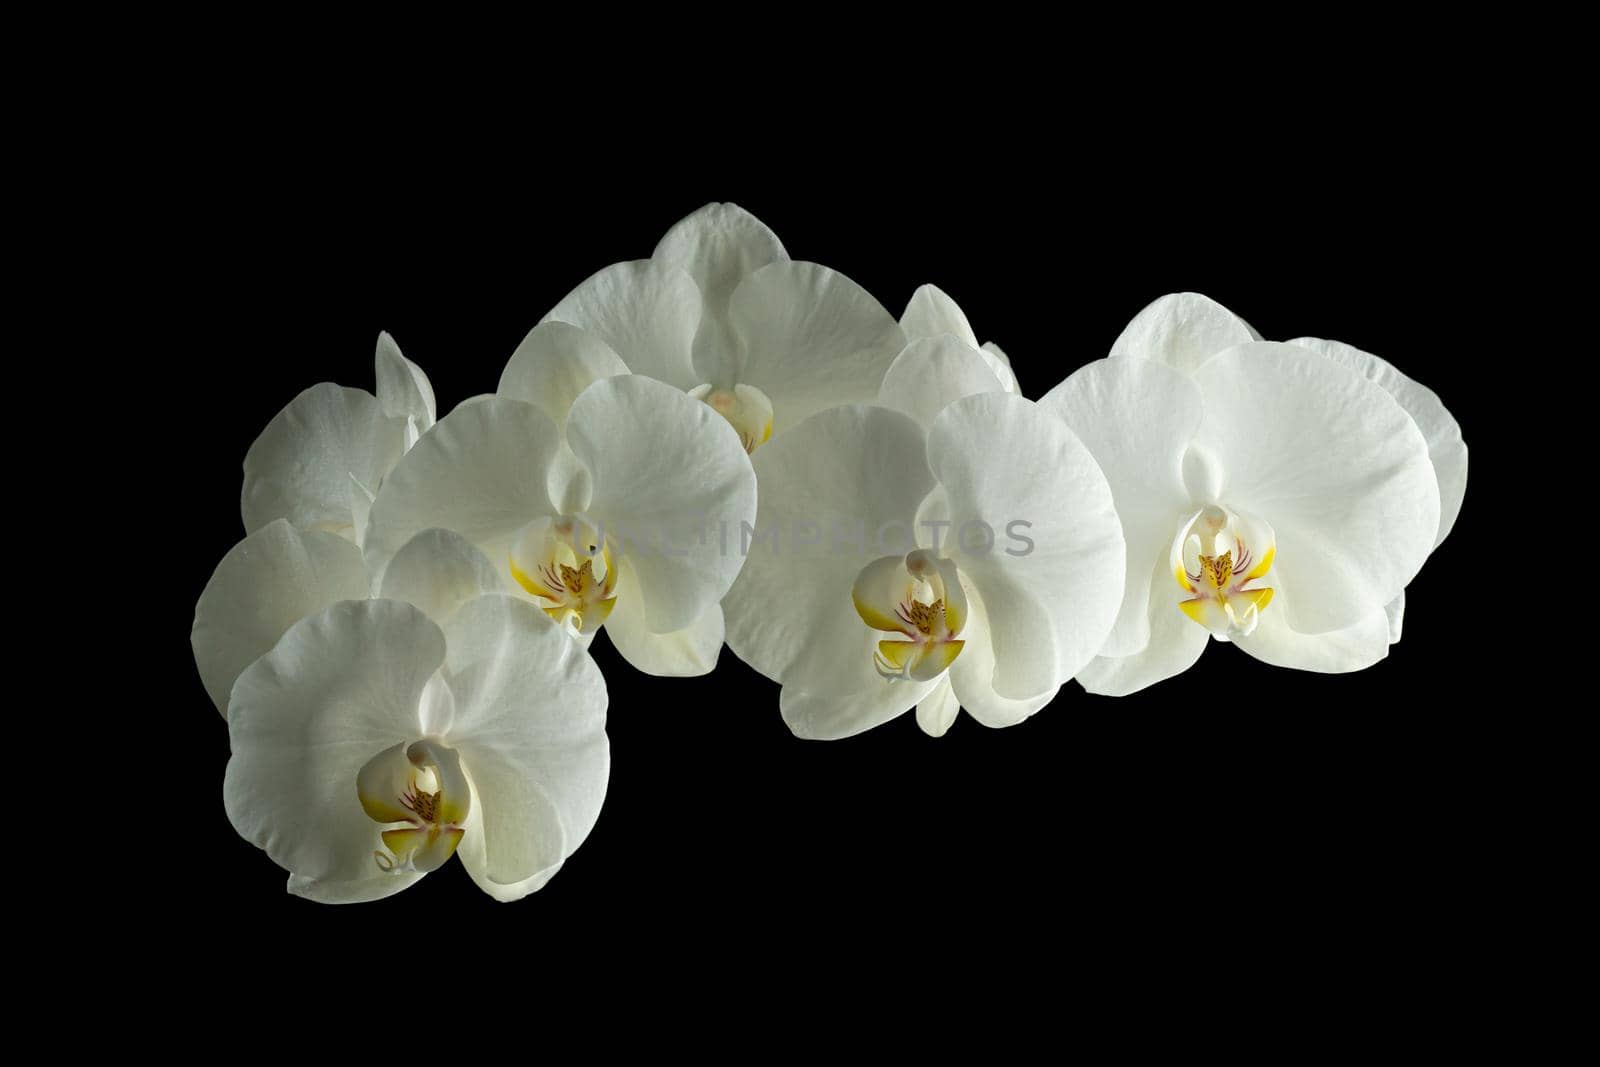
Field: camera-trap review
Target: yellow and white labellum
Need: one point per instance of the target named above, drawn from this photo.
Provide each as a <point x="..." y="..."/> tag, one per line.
<point x="1218" y="557"/>
<point x="566" y="563"/>
<point x="422" y="786"/>
<point x="746" y="408"/>
<point x="919" y="597"/>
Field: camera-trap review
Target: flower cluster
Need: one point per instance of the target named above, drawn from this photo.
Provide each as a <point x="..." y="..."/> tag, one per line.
<point x="719" y="444"/>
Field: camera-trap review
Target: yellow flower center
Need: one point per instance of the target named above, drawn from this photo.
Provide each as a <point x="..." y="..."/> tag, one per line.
<point x="556" y="561"/>
<point x="1224" y="596"/>
<point x="1217" y="569"/>
<point x="421" y="787"/>
<point x="918" y="597"/>
<point x="425" y="805"/>
<point x="922" y="615"/>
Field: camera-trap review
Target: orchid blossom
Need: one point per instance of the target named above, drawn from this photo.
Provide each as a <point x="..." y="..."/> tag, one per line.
<point x="973" y="561"/>
<point x="721" y="312"/>
<point x="370" y="745"/>
<point x="1270" y="496"/>
<point x="609" y="511"/>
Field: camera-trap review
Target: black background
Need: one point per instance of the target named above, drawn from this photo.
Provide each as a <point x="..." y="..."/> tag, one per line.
<point x="1238" y="808"/>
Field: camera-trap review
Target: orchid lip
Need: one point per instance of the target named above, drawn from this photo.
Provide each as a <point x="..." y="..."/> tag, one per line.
<point x="919" y="598"/>
<point x="1232" y="553"/>
<point x="567" y="564"/>
<point x="420" y="793"/>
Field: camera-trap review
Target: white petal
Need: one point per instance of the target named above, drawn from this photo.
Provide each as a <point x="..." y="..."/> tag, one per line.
<point x="475" y="399"/>
<point x="1182" y="330"/>
<point x="1137" y="419"/>
<point x="480" y="472"/>
<point x="811" y="339"/>
<point x="1352" y="648"/>
<point x="1337" y="468"/>
<point x="555" y="363"/>
<point x="438" y="571"/>
<point x="530" y="713"/>
<point x="1395" y="612"/>
<point x="646" y="312"/>
<point x="837" y="492"/>
<point x="686" y="653"/>
<point x="669" y="475"/>
<point x="403" y="390"/>
<point x="264" y="585"/>
<point x="831" y="718"/>
<point x="937" y="711"/>
<point x="1004" y="460"/>
<point x="933" y="372"/>
<point x="355" y="891"/>
<point x="474" y="854"/>
<point x="300" y="467"/>
<point x="972" y="676"/>
<point x="340" y="687"/>
<point x="718" y="246"/>
<point x="1000" y="365"/>
<point x="1439" y="428"/>
<point x="1176" y="642"/>
<point x="931" y="312"/>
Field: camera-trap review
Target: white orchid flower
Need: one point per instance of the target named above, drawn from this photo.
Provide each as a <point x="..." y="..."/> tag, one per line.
<point x="321" y="459"/>
<point x="618" y="514"/>
<point x="1184" y="330"/>
<point x="723" y="313"/>
<point x="370" y="745"/>
<point x="931" y="314"/>
<point x="1270" y="496"/>
<point x="308" y="484"/>
<point x="974" y="563"/>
